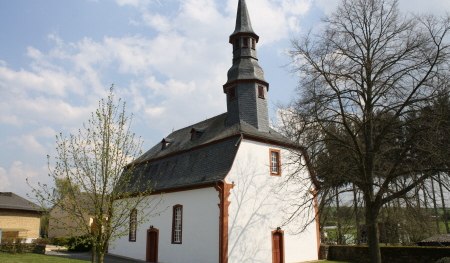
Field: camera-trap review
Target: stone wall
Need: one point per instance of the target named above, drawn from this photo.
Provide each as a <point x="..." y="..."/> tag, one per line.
<point x="391" y="254"/>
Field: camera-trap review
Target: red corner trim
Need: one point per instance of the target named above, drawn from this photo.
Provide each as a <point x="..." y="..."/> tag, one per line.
<point x="317" y="219"/>
<point x="224" y="192"/>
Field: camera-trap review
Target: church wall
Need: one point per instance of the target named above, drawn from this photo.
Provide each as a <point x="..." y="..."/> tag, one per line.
<point x="260" y="204"/>
<point x="200" y="229"/>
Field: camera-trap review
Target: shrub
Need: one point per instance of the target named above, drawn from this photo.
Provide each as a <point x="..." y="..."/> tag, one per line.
<point x="59" y="241"/>
<point x="444" y="260"/>
<point x="79" y="244"/>
<point x="18" y="246"/>
<point x="41" y="241"/>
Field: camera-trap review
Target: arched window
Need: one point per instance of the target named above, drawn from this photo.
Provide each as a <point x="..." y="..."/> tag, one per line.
<point x="133" y="226"/>
<point x="177" y="224"/>
<point x="275" y="163"/>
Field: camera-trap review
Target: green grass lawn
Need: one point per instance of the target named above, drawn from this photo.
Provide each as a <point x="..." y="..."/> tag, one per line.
<point x="35" y="258"/>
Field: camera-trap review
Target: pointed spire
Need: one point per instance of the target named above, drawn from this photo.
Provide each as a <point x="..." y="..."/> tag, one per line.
<point x="243" y="23"/>
<point x="245" y="60"/>
<point x="246" y="87"/>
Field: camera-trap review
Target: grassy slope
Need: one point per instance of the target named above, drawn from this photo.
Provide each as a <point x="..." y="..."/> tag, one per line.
<point x="35" y="258"/>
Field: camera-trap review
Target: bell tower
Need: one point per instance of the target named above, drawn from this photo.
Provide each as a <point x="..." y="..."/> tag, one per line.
<point x="246" y="88"/>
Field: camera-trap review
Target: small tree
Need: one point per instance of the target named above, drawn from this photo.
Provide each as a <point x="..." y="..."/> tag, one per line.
<point x="89" y="176"/>
<point x="364" y="78"/>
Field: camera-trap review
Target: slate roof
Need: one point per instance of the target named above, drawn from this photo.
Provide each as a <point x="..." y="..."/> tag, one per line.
<point x="245" y="62"/>
<point x="186" y="162"/>
<point x="245" y="68"/>
<point x="243" y="23"/>
<point x="437" y="240"/>
<point x="12" y="201"/>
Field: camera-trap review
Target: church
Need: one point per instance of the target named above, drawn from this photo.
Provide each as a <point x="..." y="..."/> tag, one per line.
<point x="220" y="181"/>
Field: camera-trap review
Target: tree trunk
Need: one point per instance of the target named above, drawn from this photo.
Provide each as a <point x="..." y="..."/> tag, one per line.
<point x="443" y="204"/>
<point x="372" y="233"/>
<point x="425" y="199"/>
<point x="338" y="219"/>
<point x="417" y="193"/>
<point x="436" y="214"/>
<point x="355" y="204"/>
<point x="94" y="254"/>
<point x="100" y="257"/>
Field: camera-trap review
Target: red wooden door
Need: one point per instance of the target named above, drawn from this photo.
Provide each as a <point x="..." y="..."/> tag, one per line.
<point x="152" y="245"/>
<point x="277" y="247"/>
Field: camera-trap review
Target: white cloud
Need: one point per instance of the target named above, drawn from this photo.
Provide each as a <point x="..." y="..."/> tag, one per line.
<point x="153" y="112"/>
<point x="4" y="180"/>
<point x="36" y="142"/>
<point x="437" y="7"/>
<point x="327" y="6"/>
<point x="30" y="144"/>
<point x="14" y="178"/>
<point x="134" y="3"/>
<point x="275" y="19"/>
<point x="157" y="21"/>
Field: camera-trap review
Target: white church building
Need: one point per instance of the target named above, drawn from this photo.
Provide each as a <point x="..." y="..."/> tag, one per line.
<point x="219" y="181"/>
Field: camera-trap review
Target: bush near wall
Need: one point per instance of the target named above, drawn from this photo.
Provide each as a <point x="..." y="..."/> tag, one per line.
<point x="391" y="254"/>
<point x="18" y="247"/>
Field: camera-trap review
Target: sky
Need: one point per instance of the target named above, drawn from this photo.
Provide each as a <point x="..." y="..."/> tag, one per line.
<point x="167" y="59"/>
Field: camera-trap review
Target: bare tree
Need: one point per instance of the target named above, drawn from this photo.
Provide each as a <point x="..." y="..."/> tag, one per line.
<point x="362" y="79"/>
<point x="89" y="173"/>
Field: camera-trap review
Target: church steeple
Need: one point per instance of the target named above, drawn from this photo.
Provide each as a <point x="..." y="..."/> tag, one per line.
<point x="246" y="87"/>
<point x="243" y="23"/>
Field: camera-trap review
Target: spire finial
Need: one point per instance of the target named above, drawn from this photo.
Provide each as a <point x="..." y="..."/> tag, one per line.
<point x="243" y="23"/>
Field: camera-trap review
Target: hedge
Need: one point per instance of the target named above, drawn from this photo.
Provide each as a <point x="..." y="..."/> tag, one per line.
<point x="391" y="254"/>
<point x="22" y="248"/>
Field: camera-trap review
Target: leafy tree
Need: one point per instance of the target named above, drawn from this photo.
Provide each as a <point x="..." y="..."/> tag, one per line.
<point x="88" y="172"/>
<point x="363" y="80"/>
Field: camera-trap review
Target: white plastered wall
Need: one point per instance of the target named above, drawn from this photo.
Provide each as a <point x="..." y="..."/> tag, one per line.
<point x="259" y="204"/>
<point x="200" y="236"/>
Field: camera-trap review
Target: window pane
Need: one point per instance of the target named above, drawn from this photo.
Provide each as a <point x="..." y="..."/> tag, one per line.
<point x="133" y="225"/>
<point x="274" y="162"/>
<point x="261" y="92"/>
<point x="177" y="224"/>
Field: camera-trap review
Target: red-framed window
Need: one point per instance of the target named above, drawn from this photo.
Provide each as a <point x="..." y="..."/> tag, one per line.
<point x="177" y="224"/>
<point x="275" y="162"/>
<point x="133" y="226"/>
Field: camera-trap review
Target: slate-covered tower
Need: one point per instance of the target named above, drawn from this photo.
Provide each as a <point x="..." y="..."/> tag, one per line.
<point x="246" y="87"/>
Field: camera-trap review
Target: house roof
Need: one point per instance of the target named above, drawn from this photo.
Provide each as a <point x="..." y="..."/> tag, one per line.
<point x="11" y="201"/>
<point x="442" y="239"/>
<point x="80" y="200"/>
<point x="187" y="161"/>
<point x="213" y="130"/>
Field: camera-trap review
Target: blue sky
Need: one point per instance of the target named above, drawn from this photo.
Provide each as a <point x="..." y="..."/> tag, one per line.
<point x="167" y="59"/>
